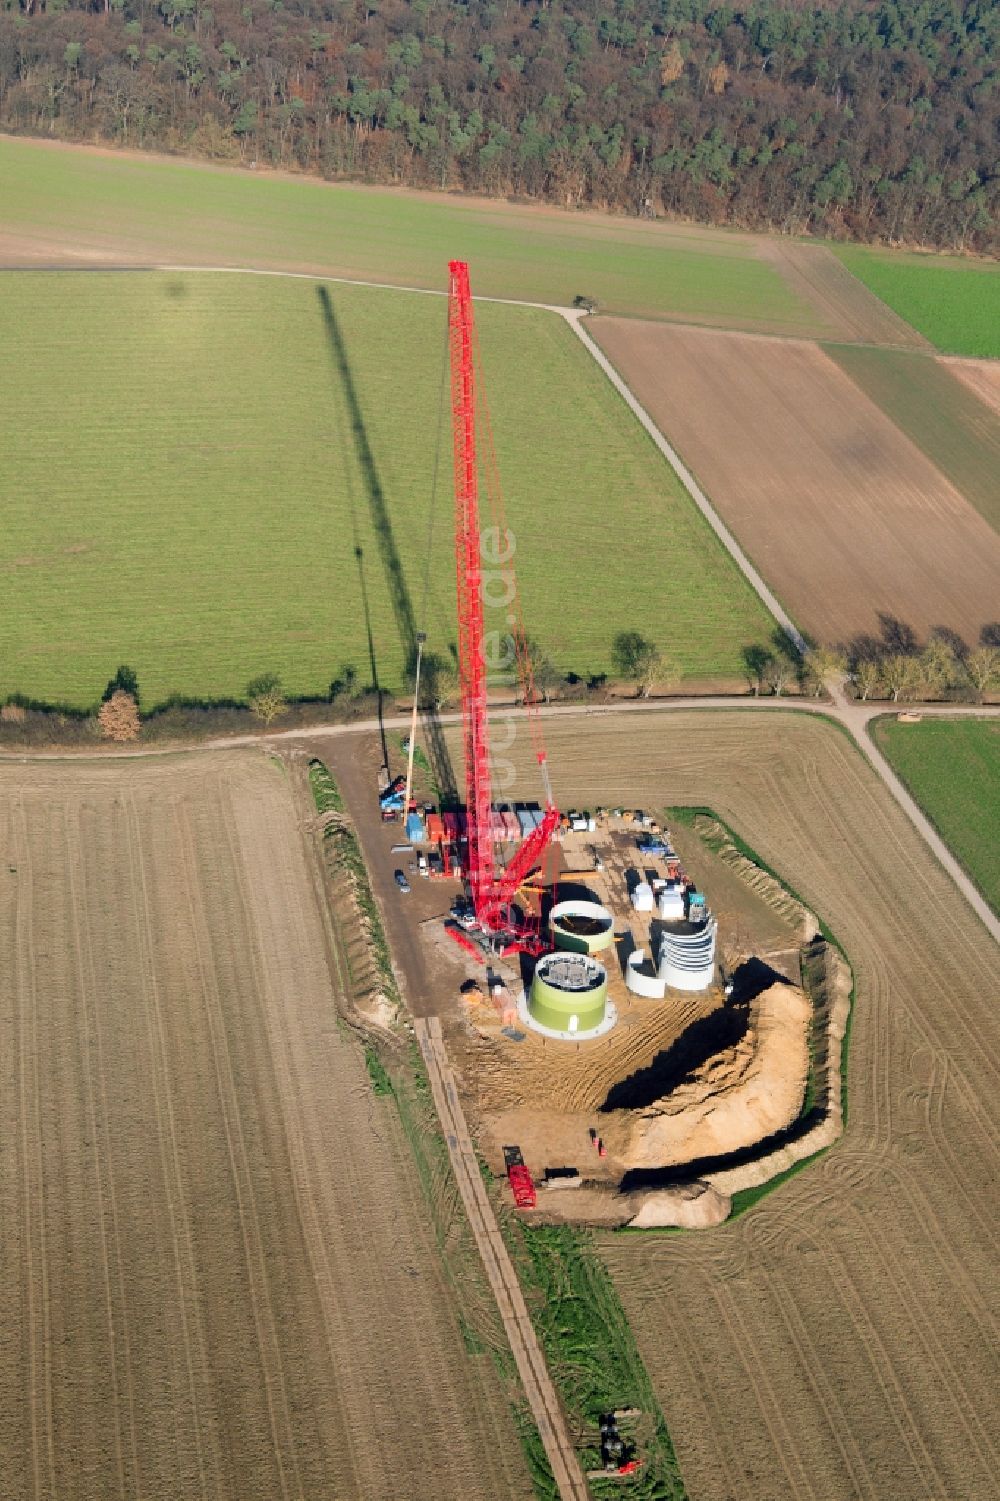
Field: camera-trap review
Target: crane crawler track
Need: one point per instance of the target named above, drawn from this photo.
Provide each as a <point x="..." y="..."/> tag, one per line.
<point x="524" y="1345"/>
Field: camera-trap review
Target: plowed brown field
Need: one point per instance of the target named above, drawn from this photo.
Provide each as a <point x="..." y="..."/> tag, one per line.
<point x="841" y="512"/>
<point x="219" y="1276"/>
<point x="981" y="376"/>
<point x="840" y="1339"/>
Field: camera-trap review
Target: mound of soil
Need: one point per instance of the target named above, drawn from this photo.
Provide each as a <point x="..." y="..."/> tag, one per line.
<point x="737" y="1097"/>
<point x="692" y="1206"/>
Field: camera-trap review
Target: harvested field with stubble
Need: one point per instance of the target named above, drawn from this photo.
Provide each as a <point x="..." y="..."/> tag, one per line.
<point x="842" y="513"/>
<point x="220" y="1276"/>
<point x="839" y="1339"/>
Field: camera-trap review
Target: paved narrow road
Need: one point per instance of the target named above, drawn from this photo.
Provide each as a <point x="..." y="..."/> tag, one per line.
<point x="527" y="1353"/>
<point x="855" y="718"/>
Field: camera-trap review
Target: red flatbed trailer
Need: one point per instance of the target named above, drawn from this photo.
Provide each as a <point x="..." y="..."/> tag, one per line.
<point x="523" y="1185"/>
<point x="521" y="1182"/>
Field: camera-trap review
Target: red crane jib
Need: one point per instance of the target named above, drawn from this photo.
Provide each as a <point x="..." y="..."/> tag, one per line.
<point x="492" y="892"/>
<point x="528" y="852"/>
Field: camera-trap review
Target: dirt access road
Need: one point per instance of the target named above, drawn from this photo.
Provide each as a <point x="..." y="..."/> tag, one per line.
<point x="221" y="1278"/>
<point x="839" y="1340"/>
<point x="531" y="1366"/>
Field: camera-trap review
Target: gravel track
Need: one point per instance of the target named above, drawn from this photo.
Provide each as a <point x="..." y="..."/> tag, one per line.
<point x="524" y="1344"/>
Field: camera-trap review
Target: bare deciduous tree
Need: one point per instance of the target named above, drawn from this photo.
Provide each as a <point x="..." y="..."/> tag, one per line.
<point x="940" y="667"/>
<point x="902" y="675"/>
<point x="266" y="698"/>
<point x="637" y="659"/>
<point x="823" y="662"/>
<point x="982" y="668"/>
<point x="779" y="672"/>
<point x="119" y="717"/>
<point x="545" y="675"/>
<point x="439" y="681"/>
<point x="867" y="678"/>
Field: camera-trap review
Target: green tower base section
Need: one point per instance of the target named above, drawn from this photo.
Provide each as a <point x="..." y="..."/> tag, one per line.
<point x="569" y="993"/>
<point x="581" y="927"/>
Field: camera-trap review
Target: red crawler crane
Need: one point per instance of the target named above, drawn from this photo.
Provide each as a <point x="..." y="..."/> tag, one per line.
<point x="493" y="889"/>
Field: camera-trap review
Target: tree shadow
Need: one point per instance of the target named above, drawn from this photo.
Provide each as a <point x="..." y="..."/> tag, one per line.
<point x="951" y="638"/>
<point x="898" y="636"/>
<point x="389" y="554"/>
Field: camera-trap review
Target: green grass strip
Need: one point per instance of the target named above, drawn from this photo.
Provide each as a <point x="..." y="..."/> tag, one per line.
<point x="411" y="1091"/>
<point x="952" y="768"/>
<point x="326" y="793"/>
<point x="953" y="303"/>
<point x="591" y="1352"/>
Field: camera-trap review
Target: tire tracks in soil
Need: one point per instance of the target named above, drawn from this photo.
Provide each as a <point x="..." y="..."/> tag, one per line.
<point x="181" y="1235"/>
<point x="269" y="1346"/>
<point x="35" y="1281"/>
<point x="302" y="1154"/>
<point x="94" y="1084"/>
<point x="898" y="1211"/>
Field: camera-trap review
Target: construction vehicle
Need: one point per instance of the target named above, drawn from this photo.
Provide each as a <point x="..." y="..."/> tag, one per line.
<point x="392" y="791"/>
<point x="617" y="1453"/>
<point x="521" y="1182"/>
<point x="697" y="907"/>
<point x="653" y="845"/>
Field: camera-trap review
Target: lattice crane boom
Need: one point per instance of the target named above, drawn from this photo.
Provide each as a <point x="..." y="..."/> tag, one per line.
<point x="468" y="560"/>
<point x="493" y="891"/>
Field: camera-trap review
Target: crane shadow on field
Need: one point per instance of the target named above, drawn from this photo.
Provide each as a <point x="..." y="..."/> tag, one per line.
<point x="399" y="594"/>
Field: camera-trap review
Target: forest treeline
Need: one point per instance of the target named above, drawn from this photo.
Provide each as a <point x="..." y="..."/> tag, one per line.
<point x="873" y="119"/>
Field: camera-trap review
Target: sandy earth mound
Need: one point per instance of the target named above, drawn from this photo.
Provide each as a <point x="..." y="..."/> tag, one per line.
<point x="736" y="1098"/>
<point x="693" y="1206"/>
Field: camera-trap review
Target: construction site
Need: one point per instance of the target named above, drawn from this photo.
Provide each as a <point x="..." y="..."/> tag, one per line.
<point x="631" y="1003"/>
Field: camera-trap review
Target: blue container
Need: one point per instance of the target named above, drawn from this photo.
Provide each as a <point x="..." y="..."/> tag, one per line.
<point x="415" y="831"/>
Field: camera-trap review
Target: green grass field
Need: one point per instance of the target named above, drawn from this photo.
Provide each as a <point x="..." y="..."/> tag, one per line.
<point x="186" y="483"/>
<point x="952" y="767"/>
<point x="134" y="209"/>
<point x="957" y="431"/>
<point x="954" y="303"/>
